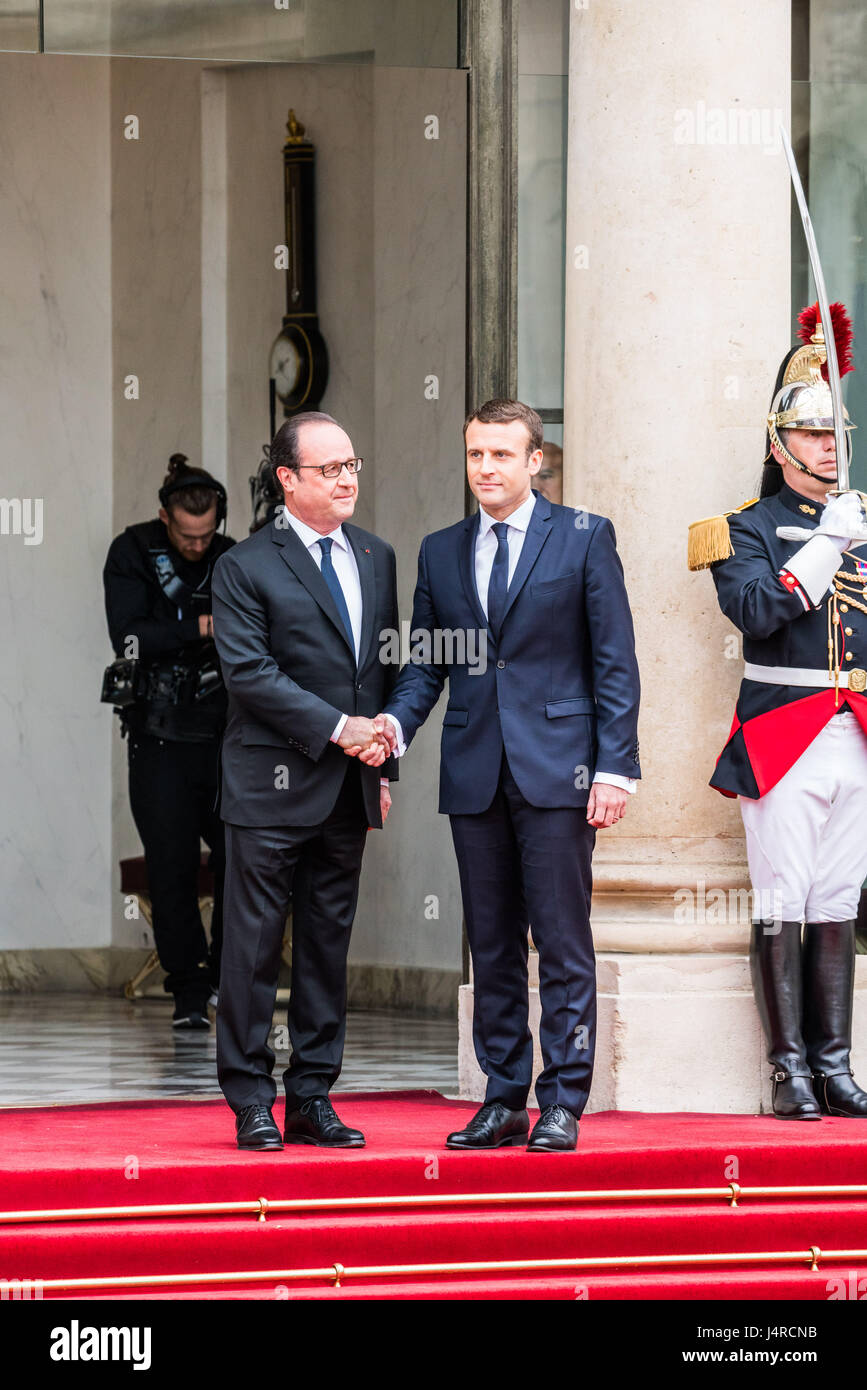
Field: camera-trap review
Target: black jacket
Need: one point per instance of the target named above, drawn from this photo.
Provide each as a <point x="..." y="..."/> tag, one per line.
<point x="291" y="673"/>
<point x="137" y="607"/>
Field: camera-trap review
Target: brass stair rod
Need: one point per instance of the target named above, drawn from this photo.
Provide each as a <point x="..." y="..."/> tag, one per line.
<point x="336" y="1273"/>
<point x="733" y="1193"/>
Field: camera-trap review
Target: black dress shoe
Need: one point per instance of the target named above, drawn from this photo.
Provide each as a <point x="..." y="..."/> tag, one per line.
<point x="555" y="1131"/>
<point x="255" y="1128"/>
<point x="492" y="1127"/>
<point x="317" y="1123"/>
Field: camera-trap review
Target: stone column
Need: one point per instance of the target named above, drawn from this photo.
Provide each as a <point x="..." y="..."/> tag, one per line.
<point x="677" y="316"/>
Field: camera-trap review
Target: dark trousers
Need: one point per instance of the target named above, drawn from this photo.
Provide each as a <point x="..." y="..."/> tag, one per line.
<point x="521" y="864"/>
<point x="319" y="867"/>
<point x="172" y="790"/>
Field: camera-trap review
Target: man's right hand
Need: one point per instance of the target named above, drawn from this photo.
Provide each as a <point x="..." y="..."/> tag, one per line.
<point x="377" y="753"/>
<point x="206" y="625"/>
<point x="357" y="734"/>
<point x="844" y="517"/>
<point x="370" y="740"/>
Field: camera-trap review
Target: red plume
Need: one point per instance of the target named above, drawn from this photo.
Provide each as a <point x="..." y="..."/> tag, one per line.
<point x="842" y="326"/>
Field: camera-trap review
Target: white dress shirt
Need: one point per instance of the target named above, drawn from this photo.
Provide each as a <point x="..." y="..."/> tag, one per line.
<point x="487" y="543"/>
<point x="486" y="549"/>
<point x="346" y="569"/>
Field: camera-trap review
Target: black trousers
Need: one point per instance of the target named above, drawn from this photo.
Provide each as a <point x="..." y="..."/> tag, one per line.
<point x="319" y="867"/>
<point x="521" y="864"/>
<point x="172" y="791"/>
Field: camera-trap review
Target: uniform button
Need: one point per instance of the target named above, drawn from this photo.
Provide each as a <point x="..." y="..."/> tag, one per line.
<point x="501" y="665"/>
<point x="848" y="656"/>
<point x="844" y="608"/>
<point x="848" y="632"/>
<point x="358" y="685"/>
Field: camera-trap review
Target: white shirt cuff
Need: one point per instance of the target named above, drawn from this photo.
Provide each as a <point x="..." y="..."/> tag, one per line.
<point x="401" y="745"/>
<point x="815" y="565"/>
<point x="338" y="728"/>
<point x="613" y="779"/>
<point x="384" y="782"/>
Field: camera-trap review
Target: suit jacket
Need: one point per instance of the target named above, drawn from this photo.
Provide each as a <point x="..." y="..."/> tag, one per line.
<point x="290" y="673"/>
<point x="774" y="724"/>
<point x="559" y="690"/>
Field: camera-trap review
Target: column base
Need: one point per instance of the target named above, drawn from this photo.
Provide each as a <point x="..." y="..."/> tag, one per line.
<point x="675" y="1033"/>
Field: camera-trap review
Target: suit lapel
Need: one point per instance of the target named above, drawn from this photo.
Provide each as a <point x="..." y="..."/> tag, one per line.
<point x="367" y="577"/>
<point x="468" y="568"/>
<point x="537" y="533"/>
<point x="306" y="570"/>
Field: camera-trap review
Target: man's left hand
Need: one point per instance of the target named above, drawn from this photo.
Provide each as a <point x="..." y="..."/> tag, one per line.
<point x="607" y="805"/>
<point x="384" y="801"/>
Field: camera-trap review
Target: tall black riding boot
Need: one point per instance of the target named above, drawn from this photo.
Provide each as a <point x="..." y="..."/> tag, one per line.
<point x="829" y="989"/>
<point x="775" y="965"/>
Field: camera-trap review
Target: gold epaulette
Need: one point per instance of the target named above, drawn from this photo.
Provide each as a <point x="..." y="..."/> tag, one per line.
<point x="709" y="540"/>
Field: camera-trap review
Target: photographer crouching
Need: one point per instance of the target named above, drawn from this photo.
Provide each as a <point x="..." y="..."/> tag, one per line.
<point x="167" y="687"/>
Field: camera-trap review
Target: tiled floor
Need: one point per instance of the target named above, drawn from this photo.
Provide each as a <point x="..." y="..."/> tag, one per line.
<point x="58" y="1049"/>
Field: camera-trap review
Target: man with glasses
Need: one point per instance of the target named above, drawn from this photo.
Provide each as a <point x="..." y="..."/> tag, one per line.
<point x="297" y="613"/>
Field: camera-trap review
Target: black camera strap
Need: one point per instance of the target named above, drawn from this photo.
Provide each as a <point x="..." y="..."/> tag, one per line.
<point x="175" y="589"/>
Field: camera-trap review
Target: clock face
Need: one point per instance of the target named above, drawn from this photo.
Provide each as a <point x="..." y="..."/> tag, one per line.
<point x="285" y="366"/>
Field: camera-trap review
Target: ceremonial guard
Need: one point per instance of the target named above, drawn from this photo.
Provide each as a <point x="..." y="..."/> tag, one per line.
<point x="788" y="575"/>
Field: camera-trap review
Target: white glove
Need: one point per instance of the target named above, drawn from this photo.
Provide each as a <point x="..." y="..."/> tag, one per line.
<point x="843" y="522"/>
<point x="844" y="517"/>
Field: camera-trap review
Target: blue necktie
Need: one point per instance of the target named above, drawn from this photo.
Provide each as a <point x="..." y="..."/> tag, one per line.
<point x="329" y="574"/>
<point x="499" y="581"/>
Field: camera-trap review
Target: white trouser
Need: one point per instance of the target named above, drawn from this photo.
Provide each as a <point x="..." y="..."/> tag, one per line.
<point x="807" y="836"/>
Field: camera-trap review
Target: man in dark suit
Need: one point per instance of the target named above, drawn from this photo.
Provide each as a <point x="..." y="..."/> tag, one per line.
<point x="298" y="609"/>
<point x="539" y="748"/>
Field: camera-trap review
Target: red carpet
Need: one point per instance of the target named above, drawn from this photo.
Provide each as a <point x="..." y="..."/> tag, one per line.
<point x="140" y="1153"/>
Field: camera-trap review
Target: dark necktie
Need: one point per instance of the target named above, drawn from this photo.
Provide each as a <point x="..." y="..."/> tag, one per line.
<point x="329" y="574"/>
<point x="499" y="581"/>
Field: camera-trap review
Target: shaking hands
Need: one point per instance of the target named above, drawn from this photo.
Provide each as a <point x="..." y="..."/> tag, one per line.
<point x="369" y="740"/>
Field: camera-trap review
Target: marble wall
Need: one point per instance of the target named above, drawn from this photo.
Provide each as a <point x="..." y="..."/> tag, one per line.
<point x="410" y="909"/>
<point x="335" y="104"/>
<point x="55" y="404"/>
<point x="162" y="268"/>
<point x="677" y="315"/>
<point x="390" y="216"/>
<point x="156" y="320"/>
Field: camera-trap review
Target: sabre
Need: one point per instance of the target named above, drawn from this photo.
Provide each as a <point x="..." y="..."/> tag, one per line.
<point x="840" y="439"/>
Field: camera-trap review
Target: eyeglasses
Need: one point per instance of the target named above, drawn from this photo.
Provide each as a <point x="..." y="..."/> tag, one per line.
<point x="333" y="470"/>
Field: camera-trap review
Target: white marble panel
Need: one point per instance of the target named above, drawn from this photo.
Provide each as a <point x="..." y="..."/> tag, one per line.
<point x="156" y="312"/>
<point x="410" y="870"/>
<point x="215" y="272"/>
<point x="334" y="104"/>
<point x="55" y="406"/>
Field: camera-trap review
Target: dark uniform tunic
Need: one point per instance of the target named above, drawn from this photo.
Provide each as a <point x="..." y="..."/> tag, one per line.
<point x="774" y="724"/>
<point x="173" y="749"/>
